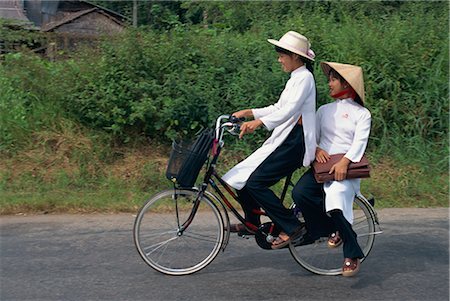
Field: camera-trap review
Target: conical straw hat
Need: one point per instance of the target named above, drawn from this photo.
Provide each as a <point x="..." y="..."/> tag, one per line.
<point x="352" y="74"/>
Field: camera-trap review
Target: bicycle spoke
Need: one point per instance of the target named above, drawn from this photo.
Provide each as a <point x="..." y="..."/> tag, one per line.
<point x="359" y="220"/>
<point x="159" y="245"/>
<point x="200" y="237"/>
<point x="161" y="253"/>
<point x="150" y="235"/>
<point x="363" y="227"/>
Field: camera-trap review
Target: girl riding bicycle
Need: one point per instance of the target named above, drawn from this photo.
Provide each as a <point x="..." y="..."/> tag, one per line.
<point x="291" y="145"/>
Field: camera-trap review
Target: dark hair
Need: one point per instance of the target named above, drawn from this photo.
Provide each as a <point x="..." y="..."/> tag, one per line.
<point x="308" y="63"/>
<point x="282" y="50"/>
<point x="335" y="74"/>
<point x="359" y="100"/>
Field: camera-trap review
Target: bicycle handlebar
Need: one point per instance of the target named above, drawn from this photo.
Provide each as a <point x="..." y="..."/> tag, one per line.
<point x="232" y="124"/>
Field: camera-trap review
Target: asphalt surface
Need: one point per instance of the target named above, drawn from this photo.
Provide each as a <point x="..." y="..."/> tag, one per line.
<point x="92" y="257"/>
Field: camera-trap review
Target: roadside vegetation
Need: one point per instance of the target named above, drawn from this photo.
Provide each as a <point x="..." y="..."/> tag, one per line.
<point x="91" y="131"/>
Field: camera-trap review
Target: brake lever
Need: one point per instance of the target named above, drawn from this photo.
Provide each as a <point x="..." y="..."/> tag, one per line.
<point x="235" y="129"/>
<point x="235" y="119"/>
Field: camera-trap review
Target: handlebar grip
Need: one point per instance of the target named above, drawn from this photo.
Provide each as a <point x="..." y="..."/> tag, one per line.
<point x="234" y="119"/>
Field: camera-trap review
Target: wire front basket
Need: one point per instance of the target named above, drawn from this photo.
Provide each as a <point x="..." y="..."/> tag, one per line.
<point x="187" y="159"/>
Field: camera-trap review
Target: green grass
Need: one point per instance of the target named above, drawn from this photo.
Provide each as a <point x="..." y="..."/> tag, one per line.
<point x="124" y="185"/>
<point x="409" y="187"/>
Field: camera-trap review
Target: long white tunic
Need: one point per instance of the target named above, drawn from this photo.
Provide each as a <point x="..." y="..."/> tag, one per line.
<point x="343" y="126"/>
<point x="297" y="99"/>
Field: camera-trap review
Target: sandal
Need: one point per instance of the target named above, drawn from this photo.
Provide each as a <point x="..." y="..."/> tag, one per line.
<point x="281" y="241"/>
<point x="350" y="267"/>
<point x="240" y="229"/>
<point x="334" y="240"/>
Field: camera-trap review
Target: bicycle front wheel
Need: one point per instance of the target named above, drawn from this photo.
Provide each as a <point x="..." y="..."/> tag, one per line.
<point x="175" y="237"/>
<point x="320" y="259"/>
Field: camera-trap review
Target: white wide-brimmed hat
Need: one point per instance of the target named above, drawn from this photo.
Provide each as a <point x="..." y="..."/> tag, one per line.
<point x="352" y="74"/>
<point x="296" y="43"/>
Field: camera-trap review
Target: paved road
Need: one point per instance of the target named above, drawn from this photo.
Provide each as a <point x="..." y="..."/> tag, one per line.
<point x="92" y="257"/>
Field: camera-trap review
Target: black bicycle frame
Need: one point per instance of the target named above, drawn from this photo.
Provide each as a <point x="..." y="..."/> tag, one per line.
<point x="209" y="180"/>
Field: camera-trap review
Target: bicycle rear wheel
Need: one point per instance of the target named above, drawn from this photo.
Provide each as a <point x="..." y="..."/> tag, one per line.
<point x="320" y="259"/>
<point x="162" y="241"/>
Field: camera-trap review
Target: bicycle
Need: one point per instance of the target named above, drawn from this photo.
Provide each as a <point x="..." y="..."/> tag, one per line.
<point x="180" y="231"/>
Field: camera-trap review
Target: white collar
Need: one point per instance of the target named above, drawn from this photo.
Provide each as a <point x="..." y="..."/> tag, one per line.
<point x="348" y="100"/>
<point x="298" y="71"/>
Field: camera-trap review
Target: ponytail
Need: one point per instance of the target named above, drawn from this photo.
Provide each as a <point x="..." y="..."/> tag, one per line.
<point x="309" y="66"/>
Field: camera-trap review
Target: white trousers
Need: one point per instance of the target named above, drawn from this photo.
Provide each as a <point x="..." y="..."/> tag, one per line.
<point x="340" y="195"/>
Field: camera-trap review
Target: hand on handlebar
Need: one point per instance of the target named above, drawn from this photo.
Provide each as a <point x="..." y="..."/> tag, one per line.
<point x="235" y="119"/>
<point x="247" y="113"/>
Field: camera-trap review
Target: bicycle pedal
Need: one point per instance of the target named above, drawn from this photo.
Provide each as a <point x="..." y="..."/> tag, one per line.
<point x="243" y="235"/>
<point x="270" y="238"/>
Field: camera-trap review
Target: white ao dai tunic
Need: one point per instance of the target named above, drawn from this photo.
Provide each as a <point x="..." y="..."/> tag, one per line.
<point x="297" y="99"/>
<point x="343" y="126"/>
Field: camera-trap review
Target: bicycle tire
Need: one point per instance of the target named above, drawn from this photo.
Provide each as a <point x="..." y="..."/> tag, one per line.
<point x="165" y="248"/>
<point x="318" y="258"/>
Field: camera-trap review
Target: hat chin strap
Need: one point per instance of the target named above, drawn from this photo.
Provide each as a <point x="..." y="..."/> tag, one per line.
<point x="351" y="93"/>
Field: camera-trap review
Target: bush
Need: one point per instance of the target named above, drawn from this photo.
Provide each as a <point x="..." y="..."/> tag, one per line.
<point x="30" y="99"/>
<point x="156" y="85"/>
<point x="404" y="55"/>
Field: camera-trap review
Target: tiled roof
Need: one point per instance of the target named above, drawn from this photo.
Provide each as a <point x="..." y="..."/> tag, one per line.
<point x="12" y="10"/>
<point x="52" y="25"/>
<point x="69" y="18"/>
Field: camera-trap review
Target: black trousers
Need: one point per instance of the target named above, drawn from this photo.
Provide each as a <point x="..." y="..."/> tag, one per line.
<point x="256" y="193"/>
<point x="309" y="196"/>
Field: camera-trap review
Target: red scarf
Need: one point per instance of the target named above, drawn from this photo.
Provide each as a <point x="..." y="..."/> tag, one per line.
<point x="350" y="91"/>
